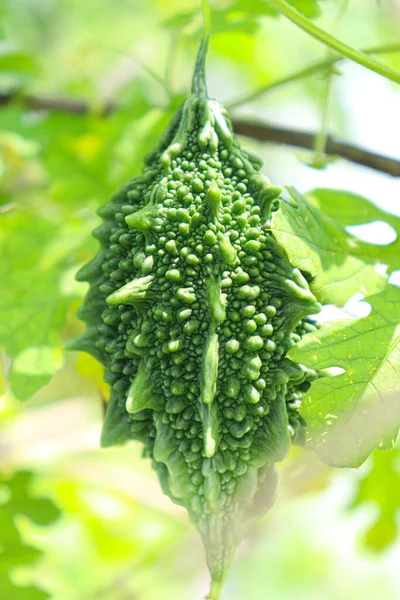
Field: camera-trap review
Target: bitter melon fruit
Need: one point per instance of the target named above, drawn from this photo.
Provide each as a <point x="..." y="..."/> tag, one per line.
<point x="192" y="307"/>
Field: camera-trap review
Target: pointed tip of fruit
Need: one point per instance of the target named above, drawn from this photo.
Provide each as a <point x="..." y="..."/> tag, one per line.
<point x="221" y="536"/>
<point x="216" y="587"/>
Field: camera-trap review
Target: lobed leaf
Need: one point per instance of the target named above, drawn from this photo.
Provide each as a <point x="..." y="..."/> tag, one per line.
<point x="320" y="246"/>
<point x="350" y="209"/>
<point x="351" y="414"/>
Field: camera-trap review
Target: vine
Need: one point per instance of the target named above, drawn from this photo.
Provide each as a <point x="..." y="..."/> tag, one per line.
<point x="329" y="40"/>
<point x="314" y="69"/>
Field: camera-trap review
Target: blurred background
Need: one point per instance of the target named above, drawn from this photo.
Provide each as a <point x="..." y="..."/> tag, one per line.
<point x="80" y="523"/>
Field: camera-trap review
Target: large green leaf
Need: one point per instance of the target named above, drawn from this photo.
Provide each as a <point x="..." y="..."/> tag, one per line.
<point x="350" y="414"/>
<point x="381" y="488"/>
<point x="351" y="209"/>
<point x="319" y="245"/>
<point x="16" y="499"/>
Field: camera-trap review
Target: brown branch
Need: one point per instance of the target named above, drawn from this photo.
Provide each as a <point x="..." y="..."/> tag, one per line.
<point x="305" y="139"/>
<point x="55" y="104"/>
<point x="258" y="131"/>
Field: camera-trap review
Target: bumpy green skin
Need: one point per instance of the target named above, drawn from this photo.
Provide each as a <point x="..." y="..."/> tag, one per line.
<point x="192" y="308"/>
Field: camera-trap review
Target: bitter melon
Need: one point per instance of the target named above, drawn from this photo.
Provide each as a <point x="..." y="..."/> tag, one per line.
<point x="192" y="308"/>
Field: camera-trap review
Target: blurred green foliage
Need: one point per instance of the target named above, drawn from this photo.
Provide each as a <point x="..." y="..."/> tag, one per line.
<point x="381" y="487"/>
<point x="116" y="536"/>
<point x="16" y="499"/>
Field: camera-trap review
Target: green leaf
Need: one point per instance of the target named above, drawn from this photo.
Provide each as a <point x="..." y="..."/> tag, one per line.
<point x="67" y="163"/>
<point x="17" y="62"/>
<point x="351" y="414"/>
<point x="320" y="246"/>
<point x="180" y="20"/>
<point x="242" y="15"/>
<point x="381" y="488"/>
<point x="309" y="8"/>
<point x="32" y="305"/>
<point x="351" y="209"/>
<point x="227" y="20"/>
<point x="38" y="360"/>
<point x="16" y="499"/>
<point x="23" y="386"/>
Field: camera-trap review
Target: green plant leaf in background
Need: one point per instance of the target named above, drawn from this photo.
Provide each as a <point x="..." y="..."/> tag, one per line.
<point x="222" y="20"/>
<point x="32" y="304"/>
<point x="125" y="537"/>
<point x="319" y="245"/>
<point x="238" y="15"/>
<point x="34" y="255"/>
<point x="16" y="499"/>
<point x="40" y="236"/>
<point x="350" y="414"/>
<point x="381" y="488"/>
<point x="57" y="170"/>
<point x="309" y="8"/>
<point x="12" y="61"/>
<point x="350" y="209"/>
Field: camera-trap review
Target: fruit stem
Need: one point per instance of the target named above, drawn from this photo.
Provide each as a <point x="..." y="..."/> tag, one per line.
<point x="199" y="85"/>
